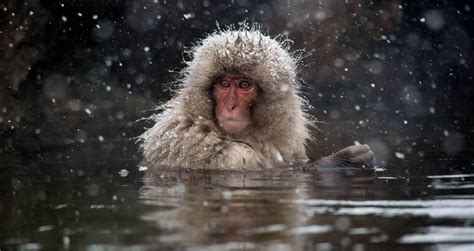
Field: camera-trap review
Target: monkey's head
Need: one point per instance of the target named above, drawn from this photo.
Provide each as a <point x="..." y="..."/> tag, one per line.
<point x="245" y="81"/>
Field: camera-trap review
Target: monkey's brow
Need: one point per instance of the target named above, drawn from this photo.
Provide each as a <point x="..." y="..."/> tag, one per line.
<point x="238" y="75"/>
<point x="231" y="71"/>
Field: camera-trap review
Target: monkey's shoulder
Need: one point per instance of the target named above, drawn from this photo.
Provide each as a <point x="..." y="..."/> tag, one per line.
<point x="179" y="140"/>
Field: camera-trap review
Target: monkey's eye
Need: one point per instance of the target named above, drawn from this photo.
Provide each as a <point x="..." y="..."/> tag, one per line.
<point x="224" y="84"/>
<point x="245" y="85"/>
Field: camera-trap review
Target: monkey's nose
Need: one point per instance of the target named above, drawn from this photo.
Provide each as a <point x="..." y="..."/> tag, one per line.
<point x="231" y="102"/>
<point x="231" y="105"/>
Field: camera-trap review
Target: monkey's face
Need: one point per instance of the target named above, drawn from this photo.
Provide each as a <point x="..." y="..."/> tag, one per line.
<point x="234" y="95"/>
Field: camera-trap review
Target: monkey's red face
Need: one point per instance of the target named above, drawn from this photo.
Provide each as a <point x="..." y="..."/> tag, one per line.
<point x="234" y="96"/>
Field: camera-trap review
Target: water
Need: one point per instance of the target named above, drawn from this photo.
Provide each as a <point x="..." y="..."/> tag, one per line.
<point x="396" y="75"/>
<point x="70" y="189"/>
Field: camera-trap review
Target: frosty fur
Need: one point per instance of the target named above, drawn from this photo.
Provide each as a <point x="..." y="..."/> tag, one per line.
<point x="186" y="134"/>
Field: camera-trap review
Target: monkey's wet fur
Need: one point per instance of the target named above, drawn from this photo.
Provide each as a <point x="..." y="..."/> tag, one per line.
<point x="238" y="107"/>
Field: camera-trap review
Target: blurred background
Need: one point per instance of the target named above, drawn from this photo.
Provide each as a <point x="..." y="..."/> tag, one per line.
<point x="394" y="74"/>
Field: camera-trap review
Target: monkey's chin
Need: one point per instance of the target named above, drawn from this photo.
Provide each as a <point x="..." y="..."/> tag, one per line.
<point x="233" y="126"/>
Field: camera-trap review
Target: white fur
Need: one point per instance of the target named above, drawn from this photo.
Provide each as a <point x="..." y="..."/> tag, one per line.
<point x="186" y="134"/>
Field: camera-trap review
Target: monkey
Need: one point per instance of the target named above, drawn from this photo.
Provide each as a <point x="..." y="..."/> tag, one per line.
<point x="238" y="107"/>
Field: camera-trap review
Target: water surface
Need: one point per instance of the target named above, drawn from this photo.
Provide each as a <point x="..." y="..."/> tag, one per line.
<point x="86" y="189"/>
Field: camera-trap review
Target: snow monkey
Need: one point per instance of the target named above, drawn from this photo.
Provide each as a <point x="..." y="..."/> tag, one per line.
<point x="238" y="107"/>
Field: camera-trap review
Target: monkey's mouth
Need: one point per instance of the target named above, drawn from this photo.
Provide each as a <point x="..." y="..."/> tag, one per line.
<point x="233" y="125"/>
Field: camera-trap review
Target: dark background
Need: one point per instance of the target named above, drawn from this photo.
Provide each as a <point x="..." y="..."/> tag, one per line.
<point x="394" y="74"/>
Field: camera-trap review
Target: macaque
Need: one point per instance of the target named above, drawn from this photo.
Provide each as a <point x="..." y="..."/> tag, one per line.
<point x="237" y="108"/>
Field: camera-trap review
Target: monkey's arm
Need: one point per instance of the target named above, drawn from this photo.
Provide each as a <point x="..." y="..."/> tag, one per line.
<point x="352" y="156"/>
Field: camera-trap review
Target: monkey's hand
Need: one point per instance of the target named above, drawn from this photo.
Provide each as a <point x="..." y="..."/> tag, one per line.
<point x="352" y="156"/>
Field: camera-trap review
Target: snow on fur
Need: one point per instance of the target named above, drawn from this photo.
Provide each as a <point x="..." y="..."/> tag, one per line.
<point x="187" y="127"/>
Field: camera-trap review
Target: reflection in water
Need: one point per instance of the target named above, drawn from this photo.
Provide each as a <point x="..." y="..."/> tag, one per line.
<point x="291" y="210"/>
<point x="234" y="209"/>
<point x="226" y="209"/>
<point x="71" y="206"/>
